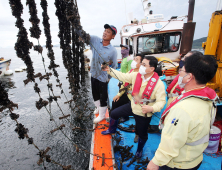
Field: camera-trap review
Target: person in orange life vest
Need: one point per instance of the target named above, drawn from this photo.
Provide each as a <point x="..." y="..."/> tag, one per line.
<point x="146" y="85"/>
<point x="186" y="122"/>
<point x="174" y="90"/>
<point x="123" y="97"/>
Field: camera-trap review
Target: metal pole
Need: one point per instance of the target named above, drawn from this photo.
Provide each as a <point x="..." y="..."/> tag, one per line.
<point x="188" y="30"/>
<point x="191" y="10"/>
<point x="219" y="5"/>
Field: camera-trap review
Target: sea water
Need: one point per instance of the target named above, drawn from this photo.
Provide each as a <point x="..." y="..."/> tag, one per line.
<point x="15" y="153"/>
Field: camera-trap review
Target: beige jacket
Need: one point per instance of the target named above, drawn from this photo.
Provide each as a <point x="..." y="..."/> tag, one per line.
<point x="193" y="123"/>
<point x="158" y="92"/>
<point x="171" y="98"/>
<point x="128" y="89"/>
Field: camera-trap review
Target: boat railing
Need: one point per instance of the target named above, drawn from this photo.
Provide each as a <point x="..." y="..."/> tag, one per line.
<point x="127" y="27"/>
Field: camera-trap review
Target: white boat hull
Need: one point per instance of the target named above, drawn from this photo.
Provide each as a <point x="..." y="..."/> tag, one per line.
<point x="4" y="66"/>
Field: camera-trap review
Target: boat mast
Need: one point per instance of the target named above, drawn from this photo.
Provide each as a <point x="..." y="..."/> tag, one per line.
<point x="188" y="31"/>
<point x="146" y="7"/>
<point x="219" y="5"/>
<point x="190" y="10"/>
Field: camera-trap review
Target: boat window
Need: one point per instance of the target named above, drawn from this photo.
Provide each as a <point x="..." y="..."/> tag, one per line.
<point x="126" y="41"/>
<point x="159" y="43"/>
<point x="171" y="43"/>
<point x="131" y="45"/>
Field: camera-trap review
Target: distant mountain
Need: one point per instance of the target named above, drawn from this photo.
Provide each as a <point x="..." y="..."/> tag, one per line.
<point x="197" y="44"/>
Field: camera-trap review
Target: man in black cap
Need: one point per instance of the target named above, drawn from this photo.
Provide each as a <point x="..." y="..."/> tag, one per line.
<point x="99" y="78"/>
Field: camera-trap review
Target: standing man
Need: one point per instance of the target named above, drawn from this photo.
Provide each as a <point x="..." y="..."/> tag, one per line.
<point x="188" y="119"/>
<point x="148" y="97"/>
<point x="99" y="78"/>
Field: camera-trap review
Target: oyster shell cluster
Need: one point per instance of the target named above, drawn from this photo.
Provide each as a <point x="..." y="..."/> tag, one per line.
<point x="72" y="42"/>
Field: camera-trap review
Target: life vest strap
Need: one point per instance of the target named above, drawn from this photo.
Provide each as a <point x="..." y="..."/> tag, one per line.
<point x="173" y="95"/>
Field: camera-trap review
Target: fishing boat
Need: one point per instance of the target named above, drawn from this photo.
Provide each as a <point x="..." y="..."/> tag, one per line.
<point x="166" y="41"/>
<point x="4" y="66"/>
<point x="153" y="36"/>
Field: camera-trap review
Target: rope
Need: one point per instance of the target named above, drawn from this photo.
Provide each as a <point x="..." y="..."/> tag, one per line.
<point x="168" y="62"/>
<point x="37" y="90"/>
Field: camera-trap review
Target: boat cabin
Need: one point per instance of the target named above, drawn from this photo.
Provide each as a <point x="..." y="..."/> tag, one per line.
<point x="157" y="38"/>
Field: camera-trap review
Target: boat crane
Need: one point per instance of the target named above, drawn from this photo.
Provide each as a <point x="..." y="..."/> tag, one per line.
<point x="213" y="46"/>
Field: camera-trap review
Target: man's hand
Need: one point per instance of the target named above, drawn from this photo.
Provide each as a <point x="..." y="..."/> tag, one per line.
<point x="105" y="67"/>
<point x="147" y="109"/>
<point x="116" y="98"/>
<point x="137" y="98"/>
<point x="152" y="166"/>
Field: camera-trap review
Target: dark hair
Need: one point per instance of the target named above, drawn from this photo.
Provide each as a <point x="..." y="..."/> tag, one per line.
<point x="141" y="56"/>
<point x="203" y="67"/>
<point x="130" y="49"/>
<point x="153" y="61"/>
<point x="195" y="52"/>
<point x="113" y="32"/>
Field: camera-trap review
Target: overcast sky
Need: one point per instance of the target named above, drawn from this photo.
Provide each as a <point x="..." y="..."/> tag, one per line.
<point x="95" y="13"/>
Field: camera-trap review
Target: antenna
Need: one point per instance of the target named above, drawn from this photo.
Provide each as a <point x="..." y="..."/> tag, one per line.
<point x="219" y="5"/>
<point x="146" y="7"/>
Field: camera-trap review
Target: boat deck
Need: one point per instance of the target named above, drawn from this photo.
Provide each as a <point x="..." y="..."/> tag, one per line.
<point x="101" y="145"/>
